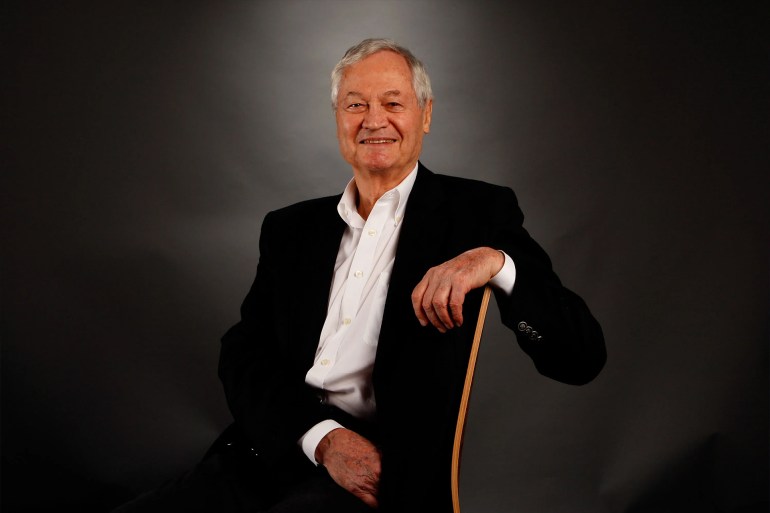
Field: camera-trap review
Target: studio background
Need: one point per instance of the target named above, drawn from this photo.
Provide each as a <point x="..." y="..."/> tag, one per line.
<point x="145" y="141"/>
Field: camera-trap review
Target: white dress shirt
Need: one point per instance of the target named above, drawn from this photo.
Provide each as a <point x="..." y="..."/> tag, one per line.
<point x="343" y="363"/>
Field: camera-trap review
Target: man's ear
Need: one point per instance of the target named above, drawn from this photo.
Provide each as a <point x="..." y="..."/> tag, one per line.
<point x="427" y="113"/>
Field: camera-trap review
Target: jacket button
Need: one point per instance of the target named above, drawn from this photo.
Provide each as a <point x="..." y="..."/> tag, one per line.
<point x="533" y="335"/>
<point x="528" y="331"/>
<point x="522" y="326"/>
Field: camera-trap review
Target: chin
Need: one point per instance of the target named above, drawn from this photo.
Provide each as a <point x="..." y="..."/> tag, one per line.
<point x="378" y="165"/>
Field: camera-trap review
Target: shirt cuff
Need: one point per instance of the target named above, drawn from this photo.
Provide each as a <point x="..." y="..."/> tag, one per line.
<point x="505" y="277"/>
<point x="314" y="435"/>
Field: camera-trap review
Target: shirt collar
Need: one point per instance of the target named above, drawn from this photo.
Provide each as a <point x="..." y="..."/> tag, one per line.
<point x="400" y="194"/>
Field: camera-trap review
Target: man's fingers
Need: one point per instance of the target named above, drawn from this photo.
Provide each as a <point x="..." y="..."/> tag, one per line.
<point x="366" y="489"/>
<point x="435" y="301"/>
<point x="368" y="499"/>
<point x="443" y="314"/>
<point x="439" y="301"/>
<point x="433" y="305"/>
<point x="417" y="294"/>
<point x="456" y="300"/>
<point x="430" y="312"/>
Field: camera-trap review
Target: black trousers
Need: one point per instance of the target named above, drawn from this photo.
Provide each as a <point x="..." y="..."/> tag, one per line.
<point x="227" y="480"/>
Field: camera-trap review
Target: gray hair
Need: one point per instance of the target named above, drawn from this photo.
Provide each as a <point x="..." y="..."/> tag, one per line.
<point x="367" y="47"/>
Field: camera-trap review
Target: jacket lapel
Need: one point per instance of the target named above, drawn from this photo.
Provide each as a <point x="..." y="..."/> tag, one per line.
<point x="420" y="238"/>
<point x="420" y="247"/>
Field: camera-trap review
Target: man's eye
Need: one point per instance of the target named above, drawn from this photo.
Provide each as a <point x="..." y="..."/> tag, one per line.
<point x="355" y="105"/>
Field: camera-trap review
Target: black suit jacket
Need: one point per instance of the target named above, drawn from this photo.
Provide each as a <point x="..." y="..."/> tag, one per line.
<point x="419" y="372"/>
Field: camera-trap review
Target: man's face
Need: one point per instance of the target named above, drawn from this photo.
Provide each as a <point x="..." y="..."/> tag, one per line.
<point x="379" y="124"/>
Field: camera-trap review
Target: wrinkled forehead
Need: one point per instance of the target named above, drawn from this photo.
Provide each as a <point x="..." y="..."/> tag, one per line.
<point x="383" y="74"/>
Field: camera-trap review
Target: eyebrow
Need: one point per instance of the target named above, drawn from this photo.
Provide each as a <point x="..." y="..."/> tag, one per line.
<point x="392" y="92"/>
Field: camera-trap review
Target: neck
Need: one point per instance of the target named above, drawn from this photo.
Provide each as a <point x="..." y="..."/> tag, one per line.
<point x="371" y="185"/>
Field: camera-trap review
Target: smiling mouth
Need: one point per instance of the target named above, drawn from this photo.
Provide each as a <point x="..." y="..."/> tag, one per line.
<point x="377" y="141"/>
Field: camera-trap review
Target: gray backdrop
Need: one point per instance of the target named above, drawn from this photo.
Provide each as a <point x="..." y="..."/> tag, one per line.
<point x="145" y="141"/>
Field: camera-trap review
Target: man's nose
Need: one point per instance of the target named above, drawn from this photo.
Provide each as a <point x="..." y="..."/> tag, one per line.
<point x="375" y="117"/>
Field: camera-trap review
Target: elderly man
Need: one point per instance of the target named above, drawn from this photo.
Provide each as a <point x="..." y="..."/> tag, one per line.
<point x="345" y="372"/>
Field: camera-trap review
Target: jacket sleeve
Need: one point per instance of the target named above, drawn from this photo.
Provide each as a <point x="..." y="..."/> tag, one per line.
<point x="553" y="325"/>
<point x="258" y="365"/>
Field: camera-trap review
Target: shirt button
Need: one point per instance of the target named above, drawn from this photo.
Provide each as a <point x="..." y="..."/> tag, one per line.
<point x="346" y="321"/>
<point x="325" y="362"/>
<point x="372" y="232"/>
<point x="358" y="274"/>
<point x="398" y="219"/>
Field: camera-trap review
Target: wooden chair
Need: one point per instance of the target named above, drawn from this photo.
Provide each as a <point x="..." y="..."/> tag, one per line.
<point x="462" y="415"/>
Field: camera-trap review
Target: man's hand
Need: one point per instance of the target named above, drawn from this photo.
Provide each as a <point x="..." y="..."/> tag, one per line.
<point x="438" y="298"/>
<point x="353" y="462"/>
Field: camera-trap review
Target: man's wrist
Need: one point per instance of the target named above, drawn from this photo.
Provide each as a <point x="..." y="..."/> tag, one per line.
<point x="313" y="437"/>
<point x="323" y="445"/>
<point x="498" y="261"/>
<point x="506" y="276"/>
